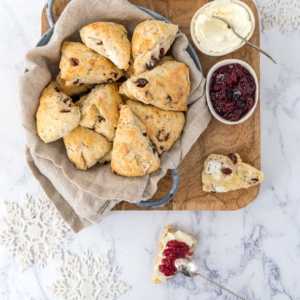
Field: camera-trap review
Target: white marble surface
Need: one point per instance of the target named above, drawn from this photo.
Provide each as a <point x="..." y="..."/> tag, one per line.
<point x="254" y="251"/>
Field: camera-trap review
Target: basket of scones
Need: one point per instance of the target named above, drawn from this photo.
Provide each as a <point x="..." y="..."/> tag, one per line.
<point x="108" y="106"/>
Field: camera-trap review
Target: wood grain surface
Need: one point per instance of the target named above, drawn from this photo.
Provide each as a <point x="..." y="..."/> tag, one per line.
<point x="218" y="137"/>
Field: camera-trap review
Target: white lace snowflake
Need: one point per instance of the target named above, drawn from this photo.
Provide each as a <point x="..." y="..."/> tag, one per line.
<point x="283" y="12"/>
<point x="87" y="279"/>
<point x="33" y="232"/>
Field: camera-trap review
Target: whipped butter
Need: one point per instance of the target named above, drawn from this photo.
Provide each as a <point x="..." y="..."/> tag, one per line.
<point x="214" y="35"/>
<point x="178" y="235"/>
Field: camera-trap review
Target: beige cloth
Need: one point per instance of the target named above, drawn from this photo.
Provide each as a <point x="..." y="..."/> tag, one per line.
<point x="84" y="197"/>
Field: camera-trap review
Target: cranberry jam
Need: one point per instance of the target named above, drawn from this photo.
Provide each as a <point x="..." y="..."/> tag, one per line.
<point x="232" y="91"/>
<point x="174" y="250"/>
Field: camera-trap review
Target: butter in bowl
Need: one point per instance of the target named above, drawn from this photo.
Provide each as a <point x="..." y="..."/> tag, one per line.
<point x="212" y="36"/>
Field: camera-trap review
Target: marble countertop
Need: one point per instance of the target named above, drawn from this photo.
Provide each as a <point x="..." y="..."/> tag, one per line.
<point x="254" y="251"/>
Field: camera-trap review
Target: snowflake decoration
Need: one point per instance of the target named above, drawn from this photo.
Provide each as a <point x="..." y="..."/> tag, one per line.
<point x="283" y="12"/>
<point x="87" y="279"/>
<point x="33" y="232"/>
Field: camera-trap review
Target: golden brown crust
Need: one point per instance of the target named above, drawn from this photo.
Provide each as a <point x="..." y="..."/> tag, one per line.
<point x="110" y="40"/>
<point x="100" y="110"/>
<point x="163" y="127"/>
<point x="150" y="41"/>
<point x="222" y="175"/>
<point x="56" y="115"/>
<point x="73" y="89"/>
<point x="132" y="153"/>
<point x="81" y="65"/>
<point x="167" y="86"/>
<point x="85" y="147"/>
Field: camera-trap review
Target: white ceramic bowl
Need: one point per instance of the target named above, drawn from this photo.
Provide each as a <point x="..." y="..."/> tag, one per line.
<point x="198" y="45"/>
<point x="208" y="79"/>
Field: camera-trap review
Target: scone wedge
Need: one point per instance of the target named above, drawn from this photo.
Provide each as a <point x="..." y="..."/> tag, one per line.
<point x="150" y="42"/>
<point x="166" y="87"/>
<point x="163" y="127"/>
<point x="222" y="174"/>
<point x="80" y="65"/>
<point x="72" y="90"/>
<point x="133" y="153"/>
<point x="85" y="147"/>
<point x="57" y="115"/>
<point x="110" y="40"/>
<point x="178" y="244"/>
<point x="100" y="110"/>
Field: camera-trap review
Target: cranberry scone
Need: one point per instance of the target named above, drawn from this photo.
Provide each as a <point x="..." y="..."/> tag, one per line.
<point x="80" y="65"/>
<point x="100" y="110"/>
<point x="166" y="87"/>
<point x="150" y="42"/>
<point x="110" y="40"/>
<point x="72" y="90"/>
<point x="133" y="153"/>
<point x="57" y="115"/>
<point x="173" y="244"/>
<point x="85" y="147"/>
<point x="163" y="127"/>
<point x="222" y="174"/>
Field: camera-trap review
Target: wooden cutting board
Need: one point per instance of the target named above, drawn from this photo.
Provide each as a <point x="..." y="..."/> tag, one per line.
<point x="218" y="137"/>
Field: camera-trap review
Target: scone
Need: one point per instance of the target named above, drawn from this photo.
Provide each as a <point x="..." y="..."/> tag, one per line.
<point x="81" y="101"/>
<point x="173" y="244"/>
<point x="106" y="158"/>
<point x="163" y="127"/>
<point x="85" y="147"/>
<point x="80" y="65"/>
<point x="150" y="42"/>
<point x="110" y="40"/>
<point x="222" y="174"/>
<point x="167" y="86"/>
<point x="57" y="115"/>
<point x="72" y="90"/>
<point x="100" y="110"/>
<point x="133" y="153"/>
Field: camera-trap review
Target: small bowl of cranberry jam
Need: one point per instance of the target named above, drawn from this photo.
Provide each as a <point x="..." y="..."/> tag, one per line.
<point x="231" y="91"/>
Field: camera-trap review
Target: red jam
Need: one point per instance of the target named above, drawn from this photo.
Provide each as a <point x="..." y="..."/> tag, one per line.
<point x="232" y="91"/>
<point x="174" y="250"/>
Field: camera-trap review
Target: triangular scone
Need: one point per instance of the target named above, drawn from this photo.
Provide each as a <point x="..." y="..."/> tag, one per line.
<point x="133" y="153"/>
<point x="85" y="147"/>
<point x="150" y="41"/>
<point x="163" y="127"/>
<point x="110" y="40"/>
<point x="222" y="174"/>
<point x="72" y="90"/>
<point x="167" y="86"/>
<point x="81" y="65"/>
<point x="100" y="110"/>
<point x="57" y="115"/>
<point x="170" y="234"/>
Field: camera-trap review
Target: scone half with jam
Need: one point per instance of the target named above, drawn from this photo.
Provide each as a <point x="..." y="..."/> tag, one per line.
<point x="172" y="244"/>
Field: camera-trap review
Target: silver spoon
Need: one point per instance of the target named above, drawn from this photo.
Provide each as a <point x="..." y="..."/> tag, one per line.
<point x="259" y="49"/>
<point x="188" y="267"/>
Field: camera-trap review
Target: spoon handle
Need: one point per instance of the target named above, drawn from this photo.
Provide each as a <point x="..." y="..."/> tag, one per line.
<point x="221" y="286"/>
<point x="257" y="48"/>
